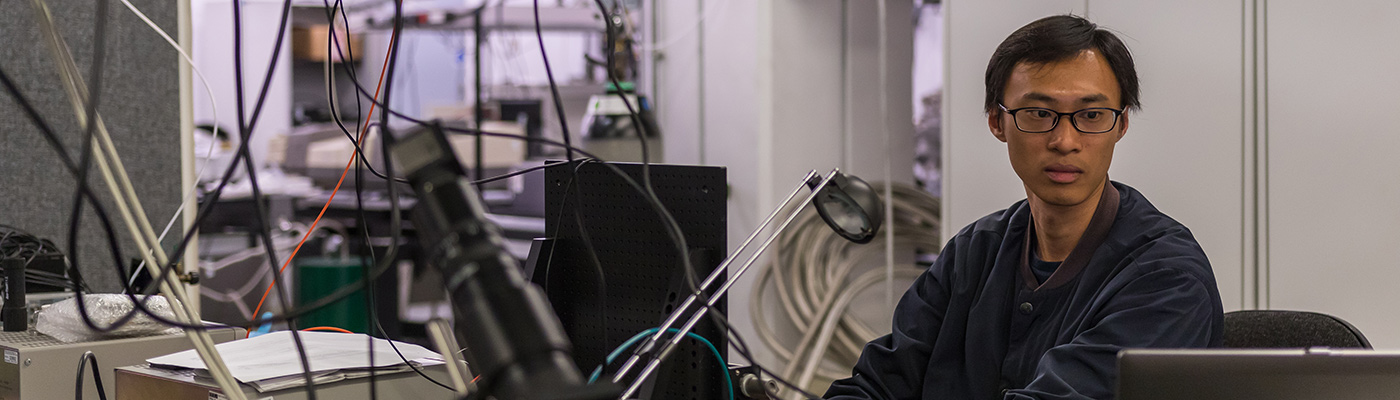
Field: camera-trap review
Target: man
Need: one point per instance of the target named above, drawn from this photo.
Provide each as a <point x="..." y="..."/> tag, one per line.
<point x="1035" y="301"/>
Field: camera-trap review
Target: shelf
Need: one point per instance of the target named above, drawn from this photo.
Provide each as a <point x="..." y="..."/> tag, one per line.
<point x="497" y="19"/>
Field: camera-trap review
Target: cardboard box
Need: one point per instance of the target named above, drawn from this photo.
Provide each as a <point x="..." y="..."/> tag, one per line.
<point x="309" y="43"/>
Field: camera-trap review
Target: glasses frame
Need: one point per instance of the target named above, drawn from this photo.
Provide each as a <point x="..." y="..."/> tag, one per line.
<point x="1058" y="115"/>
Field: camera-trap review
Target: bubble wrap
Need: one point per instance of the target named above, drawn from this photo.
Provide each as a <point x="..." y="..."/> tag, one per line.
<point x="62" y="321"/>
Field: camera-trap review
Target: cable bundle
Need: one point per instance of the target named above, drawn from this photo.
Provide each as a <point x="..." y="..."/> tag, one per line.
<point x="16" y="243"/>
<point x="818" y="274"/>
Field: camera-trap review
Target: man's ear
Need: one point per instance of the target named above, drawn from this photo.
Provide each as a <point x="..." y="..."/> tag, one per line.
<point x="994" y="123"/>
<point x="1123" y="126"/>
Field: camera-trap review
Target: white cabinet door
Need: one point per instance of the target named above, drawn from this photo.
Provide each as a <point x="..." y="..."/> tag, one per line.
<point x="1333" y="225"/>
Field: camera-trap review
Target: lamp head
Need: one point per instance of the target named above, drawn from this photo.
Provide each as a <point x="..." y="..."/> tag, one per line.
<point x="850" y="207"/>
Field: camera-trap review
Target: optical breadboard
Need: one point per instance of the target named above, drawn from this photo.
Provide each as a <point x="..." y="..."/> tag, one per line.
<point x="642" y="268"/>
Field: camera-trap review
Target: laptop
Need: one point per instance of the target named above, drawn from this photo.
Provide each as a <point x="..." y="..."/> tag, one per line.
<point x="1276" y="374"/>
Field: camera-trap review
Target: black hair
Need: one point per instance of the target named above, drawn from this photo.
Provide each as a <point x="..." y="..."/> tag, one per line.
<point x="1058" y="38"/>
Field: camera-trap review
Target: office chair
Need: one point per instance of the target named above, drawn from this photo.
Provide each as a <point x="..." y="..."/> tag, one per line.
<point x="1289" y="329"/>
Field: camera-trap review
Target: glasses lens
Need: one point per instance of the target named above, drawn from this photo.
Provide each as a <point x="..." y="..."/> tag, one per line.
<point x="1036" y="119"/>
<point x="1095" y="120"/>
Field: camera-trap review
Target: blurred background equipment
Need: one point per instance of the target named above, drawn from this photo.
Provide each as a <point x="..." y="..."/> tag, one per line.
<point x="612" y="134"/>
<point x="829" y="289"/>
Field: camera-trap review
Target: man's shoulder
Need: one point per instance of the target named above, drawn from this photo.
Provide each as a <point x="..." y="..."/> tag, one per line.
<point x="1150" y="235"/>
<point x="1138" y="217"/>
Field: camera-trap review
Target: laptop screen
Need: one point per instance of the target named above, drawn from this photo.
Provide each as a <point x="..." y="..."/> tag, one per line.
<point x="1276" y="374"/>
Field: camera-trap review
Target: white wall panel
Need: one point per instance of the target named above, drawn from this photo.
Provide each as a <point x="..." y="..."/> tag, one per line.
<point x="977" y="175"/>
<point x="769" y="89"/>
<point x="1184" y="149"/>
<point x="213" y="54"/>
<point x="866" y="152"/>
<point x="808" y="76"/>
<point x="1333" y="224"/>
<point x="679" y="77"/>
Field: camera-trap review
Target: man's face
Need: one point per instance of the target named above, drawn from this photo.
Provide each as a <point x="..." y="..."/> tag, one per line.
<point x="1062" y="167"/>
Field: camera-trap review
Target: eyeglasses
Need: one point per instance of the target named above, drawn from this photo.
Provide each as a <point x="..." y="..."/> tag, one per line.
<point x="1040" y="120"/>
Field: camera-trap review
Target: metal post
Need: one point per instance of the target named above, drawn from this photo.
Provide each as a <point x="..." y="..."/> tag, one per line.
<point x="479" y="112"/>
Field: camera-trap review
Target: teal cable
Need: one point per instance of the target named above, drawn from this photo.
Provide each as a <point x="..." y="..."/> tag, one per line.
<point x="728" y="382"/>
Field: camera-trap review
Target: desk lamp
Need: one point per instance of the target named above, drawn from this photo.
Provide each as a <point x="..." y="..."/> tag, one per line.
<point x="847" y="204"/>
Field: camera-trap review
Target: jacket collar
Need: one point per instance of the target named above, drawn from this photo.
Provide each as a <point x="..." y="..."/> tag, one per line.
<point x="1094" y="235"/>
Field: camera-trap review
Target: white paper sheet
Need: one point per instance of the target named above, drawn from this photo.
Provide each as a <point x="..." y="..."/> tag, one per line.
<point x="274" y="355"/>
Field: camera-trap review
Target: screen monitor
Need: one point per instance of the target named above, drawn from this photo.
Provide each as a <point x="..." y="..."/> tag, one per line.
<point x="1276" y="374"/>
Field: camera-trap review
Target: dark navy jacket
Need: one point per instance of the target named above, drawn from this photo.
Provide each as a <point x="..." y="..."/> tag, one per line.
<point x="978" y="325"/>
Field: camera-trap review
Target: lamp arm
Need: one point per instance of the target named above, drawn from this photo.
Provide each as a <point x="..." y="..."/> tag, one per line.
<point x="690" y="300"/>
<point x="666" y="348"/>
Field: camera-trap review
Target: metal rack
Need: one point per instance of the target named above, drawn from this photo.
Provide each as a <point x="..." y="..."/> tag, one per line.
<point x="484" y="19"/>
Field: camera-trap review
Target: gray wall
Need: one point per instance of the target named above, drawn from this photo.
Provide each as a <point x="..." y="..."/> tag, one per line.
<point x="139" y="103"/>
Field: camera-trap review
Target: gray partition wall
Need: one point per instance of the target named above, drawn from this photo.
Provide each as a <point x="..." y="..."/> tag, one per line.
<point x="139" y="103"/>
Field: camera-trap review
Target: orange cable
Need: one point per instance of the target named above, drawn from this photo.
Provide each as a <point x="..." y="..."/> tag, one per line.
<point x="361" y="138"/>
<point x="327" y="328"/>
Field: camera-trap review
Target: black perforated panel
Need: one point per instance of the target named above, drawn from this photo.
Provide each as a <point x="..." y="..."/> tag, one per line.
<point x="640" y="264"/>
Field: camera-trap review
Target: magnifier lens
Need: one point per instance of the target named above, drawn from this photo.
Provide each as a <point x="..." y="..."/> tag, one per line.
<point x="844" y="213"/>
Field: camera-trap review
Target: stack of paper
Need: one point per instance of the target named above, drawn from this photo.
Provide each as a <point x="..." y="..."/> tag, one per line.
<point x="271" y="362"/>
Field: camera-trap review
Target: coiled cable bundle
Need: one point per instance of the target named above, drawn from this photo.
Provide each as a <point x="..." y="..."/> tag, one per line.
<point x="818" y="274"/>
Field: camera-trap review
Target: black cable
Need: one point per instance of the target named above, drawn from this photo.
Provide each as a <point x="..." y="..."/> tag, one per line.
<point x="85" y="152"/>
<point x="204" y="212"/>
<point x="245" y="128"/>
<point x="75" y="272"/>
<point x="592" y="255"/>
<point x="514" y="174"/>
<point x="677" y="236"/>
<point x="568" y="187"/>
<point x="386" y="140"/>
<point x="93" y="99"/>
<point x="370" y="300"/>
<point x="362" y="220"/>
<point x="75" y="275"/>
<point x="96" y="377"/>
<point x="553" y="88"/>
<point x="372" y="314"/>
<point x="334" y="44"/>
<point x="668" y="219"/>
<point x="140" y="307"/>
<point x="744" y="351"/>
<point x="412" y="365"/>
<point x="165" y="270"/>
<point x="578" y="199"/>
<point x="52" y="139"/>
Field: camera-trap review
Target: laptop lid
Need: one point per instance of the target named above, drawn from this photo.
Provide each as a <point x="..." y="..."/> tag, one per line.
<point x="1277" y="374"/>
